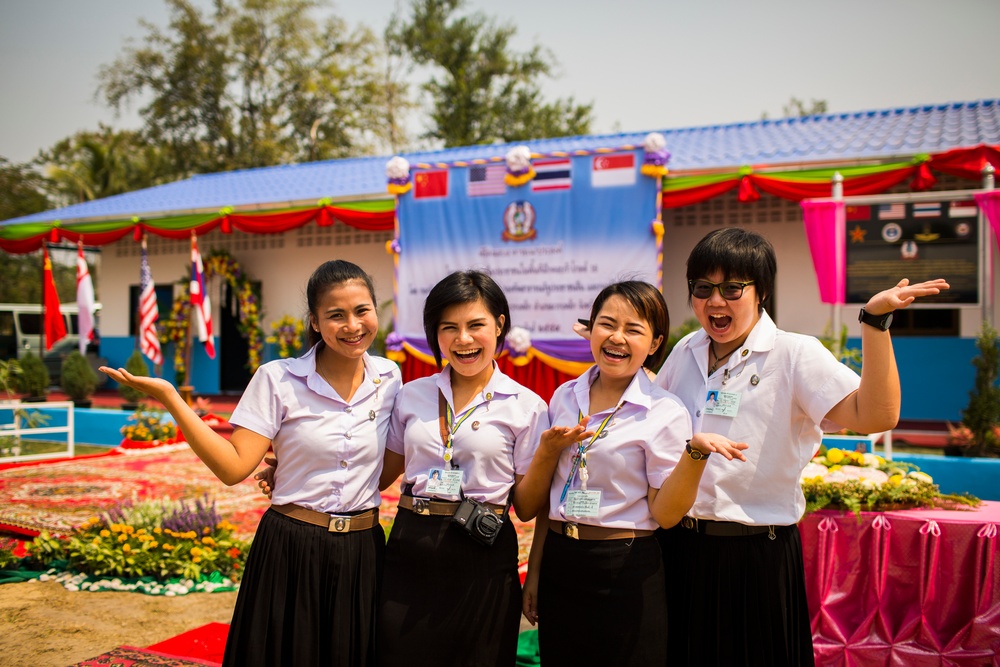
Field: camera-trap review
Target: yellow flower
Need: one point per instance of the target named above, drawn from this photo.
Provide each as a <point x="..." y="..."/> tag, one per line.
<point x="168" y="547"/>
<point x="105" y="533"/>
<point x="835" y="455"/>
<point x="153" y="545"/>
<point x="833" y="468"/>
<point x="208" y="541"/>
<point x="896" y="480"/>
<point x="158" y="530"/>
<point x="195" y="551"/>
<point x="116" y="528"/>
<point x="141" y="531"/>
<point x="123" y="538"/>
<point x="126" y="548"/>
<point x="196" y="559"/>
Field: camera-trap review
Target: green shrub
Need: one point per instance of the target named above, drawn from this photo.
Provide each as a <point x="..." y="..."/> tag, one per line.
<point x="137" y="366"/>
<point x="33" y="379"/>
<point x="78" y="379"/>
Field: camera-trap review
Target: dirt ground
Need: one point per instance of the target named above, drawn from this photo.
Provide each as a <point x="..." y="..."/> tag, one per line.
<point x="44" y="625"/>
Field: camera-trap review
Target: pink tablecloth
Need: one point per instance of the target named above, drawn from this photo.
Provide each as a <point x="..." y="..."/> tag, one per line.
<point x="908" y="588"/>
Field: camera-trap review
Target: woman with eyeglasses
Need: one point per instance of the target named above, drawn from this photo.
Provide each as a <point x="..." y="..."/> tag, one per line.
<point x="734" y="569"/>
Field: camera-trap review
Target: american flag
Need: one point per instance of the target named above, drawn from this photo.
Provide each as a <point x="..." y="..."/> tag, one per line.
<point x="200" y="303"/>
<point x="487" y="180"/>
<point x="149" y="312"/>
<point x="891" y="211"/>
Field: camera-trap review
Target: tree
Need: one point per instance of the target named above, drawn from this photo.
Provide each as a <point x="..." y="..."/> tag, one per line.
<point x="21" y="190"/>
<point x="21" y="279"/>
<point x="480" y="90"/>
<point x="255" y="84"/>
<point x="797" y="108"/>
<point x="92" y="165"/>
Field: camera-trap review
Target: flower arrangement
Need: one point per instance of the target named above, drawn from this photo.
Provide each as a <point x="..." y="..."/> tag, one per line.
<point x="159" y="539"/>
<point x="287" y="335"/>
<point x="519" y="169"/>
<point x="655" y="155"/>
<point x="518" y="342"/>
<point x="858" y="481"/>
<point x="397" y="171"/>
<point x="147" y="426"/>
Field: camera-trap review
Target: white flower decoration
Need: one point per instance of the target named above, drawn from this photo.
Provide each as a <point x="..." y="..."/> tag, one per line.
<point x="654" y="142"/>
<point x="397" y="168"/>
<point x="519" y="340"/>
<point x="518" y="159"/>
<point x="813" y="470"/>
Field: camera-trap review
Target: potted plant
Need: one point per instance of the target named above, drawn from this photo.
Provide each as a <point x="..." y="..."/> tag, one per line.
<point x="33" y="379"/>
<point x="78" y="379"/>
<point x="9" y="370"/>
<point x="135" y="365"/>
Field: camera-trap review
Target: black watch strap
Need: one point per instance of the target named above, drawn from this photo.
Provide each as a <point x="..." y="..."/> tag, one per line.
<point x="880" y="322"/>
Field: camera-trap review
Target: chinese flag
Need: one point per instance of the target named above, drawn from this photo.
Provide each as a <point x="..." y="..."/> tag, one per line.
<point x="55" y="325"/>
<point x="428" y="184"/>
<point x="857" y="213"/>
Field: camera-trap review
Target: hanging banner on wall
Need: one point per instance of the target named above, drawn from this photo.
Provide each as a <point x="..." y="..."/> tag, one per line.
<point x="552" y="243"/>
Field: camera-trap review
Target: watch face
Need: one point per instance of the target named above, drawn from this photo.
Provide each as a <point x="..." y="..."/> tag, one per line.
<point x="887" y="321"/>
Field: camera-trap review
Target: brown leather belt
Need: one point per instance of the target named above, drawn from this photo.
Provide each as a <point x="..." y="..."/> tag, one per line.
<point x="725" y="528"/>
<point x="582" y="531"/>
<point x="426" y="506"/>
<point x="335" y="523"/>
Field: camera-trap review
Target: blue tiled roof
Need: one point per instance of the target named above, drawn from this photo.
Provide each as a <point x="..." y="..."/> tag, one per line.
<point x="866" y="135"/>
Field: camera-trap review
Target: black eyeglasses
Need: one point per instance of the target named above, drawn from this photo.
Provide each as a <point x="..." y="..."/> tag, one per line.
<point x="730" y="291"/>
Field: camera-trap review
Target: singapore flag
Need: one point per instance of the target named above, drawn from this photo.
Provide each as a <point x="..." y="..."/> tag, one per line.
<point x="613" y="170"/>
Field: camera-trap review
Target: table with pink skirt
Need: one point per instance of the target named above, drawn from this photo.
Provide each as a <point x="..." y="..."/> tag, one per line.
<point x="908" y="587"/>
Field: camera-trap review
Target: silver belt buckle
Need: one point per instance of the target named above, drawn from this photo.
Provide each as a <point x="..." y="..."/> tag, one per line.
<point x="340" y="524"/>
<point x="421" y="506"/>
<point x="690" y="523"/>
<point x="571" y="530"/>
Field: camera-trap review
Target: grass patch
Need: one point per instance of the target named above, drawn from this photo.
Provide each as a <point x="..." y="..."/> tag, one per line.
<point x="32" y="447"/>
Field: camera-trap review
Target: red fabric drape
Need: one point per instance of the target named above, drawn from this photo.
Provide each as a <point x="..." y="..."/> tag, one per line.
<point x="536" y="376"/>
<point x="678" y="198"/>
<point x="966" y="162"/>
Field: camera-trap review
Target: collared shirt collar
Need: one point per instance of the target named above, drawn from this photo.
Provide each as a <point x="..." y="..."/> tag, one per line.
<point x="637" y="393"/>
<point x="305" y="367"/>
<point x="499" y="385"/>
<point x="761" y="338"/>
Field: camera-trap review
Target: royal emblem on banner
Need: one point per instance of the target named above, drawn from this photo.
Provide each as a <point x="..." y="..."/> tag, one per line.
<point x="519" y="221"/>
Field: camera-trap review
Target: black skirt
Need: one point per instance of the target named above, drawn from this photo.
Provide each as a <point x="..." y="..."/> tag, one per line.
<point x="600" y="602"/>
<point x="446" y="599"/>
<point x="308" y="596"/>
<point x="736" y="600"/>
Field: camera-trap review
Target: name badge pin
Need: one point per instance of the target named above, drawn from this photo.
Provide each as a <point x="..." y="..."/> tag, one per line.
<point x="744" y="353"/>
<point x="371" y="415"/>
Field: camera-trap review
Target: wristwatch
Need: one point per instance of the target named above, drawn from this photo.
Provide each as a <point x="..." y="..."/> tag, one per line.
<point x="880" y="322"/>
<point x="695" y="454"/>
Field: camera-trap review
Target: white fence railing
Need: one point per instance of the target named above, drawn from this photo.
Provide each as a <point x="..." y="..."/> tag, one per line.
<point x="13" y="426"/>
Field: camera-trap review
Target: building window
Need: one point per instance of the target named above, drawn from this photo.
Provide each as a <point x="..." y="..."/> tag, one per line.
<point x="926" y="322"/>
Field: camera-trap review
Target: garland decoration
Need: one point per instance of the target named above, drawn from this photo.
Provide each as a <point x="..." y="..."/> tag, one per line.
<point x="519" y="169"/>
<point x="287" y="335"/>
<point x="175" y="329"/>
<point x="397" y="170"/>
<point x="654" y="162"/>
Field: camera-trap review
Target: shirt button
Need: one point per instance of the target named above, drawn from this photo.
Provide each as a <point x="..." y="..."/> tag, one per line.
<point x="348" y="436"/>
<point x="377" y="381"/>
<point x="348" y="409"/>
<point x="343" y="464"/>
<point x="697" y="413"/>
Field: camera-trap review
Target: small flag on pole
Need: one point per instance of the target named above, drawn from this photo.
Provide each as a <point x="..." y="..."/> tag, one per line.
<point x="84" y="299"/>
<point x="55" y="324"/>
<point x="200" y="303"/>
<point x="149" y="311"/>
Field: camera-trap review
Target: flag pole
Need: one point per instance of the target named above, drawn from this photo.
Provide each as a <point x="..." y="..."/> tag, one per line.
<point x="187" y="389"/>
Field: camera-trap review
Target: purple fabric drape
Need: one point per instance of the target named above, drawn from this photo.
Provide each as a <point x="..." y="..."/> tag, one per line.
<point x="824" y="223"/>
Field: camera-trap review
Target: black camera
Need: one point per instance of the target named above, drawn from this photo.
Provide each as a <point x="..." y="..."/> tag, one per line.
<point x="478" y="520"/>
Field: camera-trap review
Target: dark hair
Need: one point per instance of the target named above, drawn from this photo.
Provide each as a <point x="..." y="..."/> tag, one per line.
<point x="458" y="288"/>
<point x="740" y="255"/>
<point x="649" y="303"/>
<point x="327" y="276"/>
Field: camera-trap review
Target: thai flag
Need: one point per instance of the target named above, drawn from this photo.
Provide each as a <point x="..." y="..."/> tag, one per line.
<point x="552" y="174"/>
<point x="927" y="210"/>
<point x="149" y="312"/>
<point x="200" y="303"/>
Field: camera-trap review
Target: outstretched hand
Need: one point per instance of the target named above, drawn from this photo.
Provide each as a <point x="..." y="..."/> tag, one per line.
<point x="707" y="443"/>
<point x="903" y="294"/>
<point x="558" y="438"/>
<point x="158" y="388"/>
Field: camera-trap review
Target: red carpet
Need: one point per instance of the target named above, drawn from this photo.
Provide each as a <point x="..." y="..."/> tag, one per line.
<point x="205" y="643"/>
<point x="130" y="656"/>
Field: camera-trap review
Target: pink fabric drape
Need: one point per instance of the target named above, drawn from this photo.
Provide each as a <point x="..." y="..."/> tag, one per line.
<point x="912" y="587"/>
<point x="989" y="203"/>
<point x="824" y="223"/>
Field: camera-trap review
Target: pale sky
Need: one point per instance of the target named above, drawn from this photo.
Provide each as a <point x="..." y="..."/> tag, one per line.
<point x="644" y="64"/>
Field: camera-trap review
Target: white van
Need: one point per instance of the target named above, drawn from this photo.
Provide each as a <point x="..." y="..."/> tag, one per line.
<point x="20" y="334"/>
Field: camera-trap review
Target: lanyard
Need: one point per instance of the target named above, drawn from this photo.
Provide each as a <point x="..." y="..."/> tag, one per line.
<point x="448" y="426"/>
<point x="580" y="458"/>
